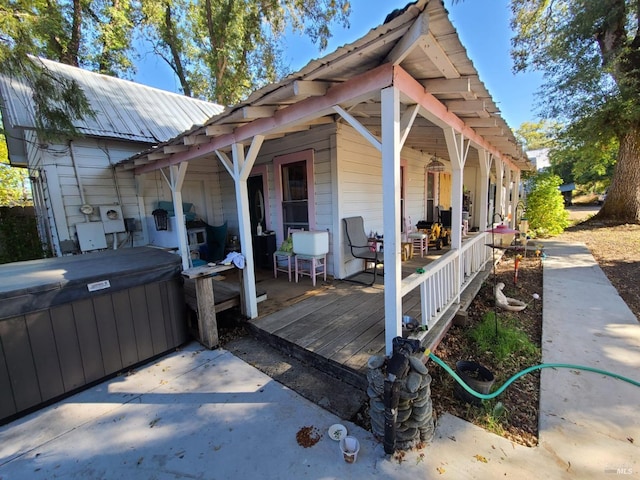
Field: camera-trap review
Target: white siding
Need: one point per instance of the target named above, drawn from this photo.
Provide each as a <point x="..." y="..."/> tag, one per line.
<point x="98" y="183"/>
<point x="360" y="188"/>
<point x="201" y="187"/>
<point x="317" y="139"/>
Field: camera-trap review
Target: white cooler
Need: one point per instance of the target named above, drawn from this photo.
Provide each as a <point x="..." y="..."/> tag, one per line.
<point x="310" y="243"/>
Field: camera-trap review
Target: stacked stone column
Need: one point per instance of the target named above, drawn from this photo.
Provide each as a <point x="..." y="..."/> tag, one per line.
<point x="414" y="422"/>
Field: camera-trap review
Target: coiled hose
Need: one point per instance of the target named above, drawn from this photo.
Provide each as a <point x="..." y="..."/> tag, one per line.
<point x="489" y="396"/>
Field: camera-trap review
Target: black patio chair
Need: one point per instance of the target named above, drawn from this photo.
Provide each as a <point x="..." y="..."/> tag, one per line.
<point x="360" y="248"/>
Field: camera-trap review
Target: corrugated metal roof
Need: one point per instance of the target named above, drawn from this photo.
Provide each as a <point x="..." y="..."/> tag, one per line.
<point x="124" y="110"/>
<point x="435" y="58"/>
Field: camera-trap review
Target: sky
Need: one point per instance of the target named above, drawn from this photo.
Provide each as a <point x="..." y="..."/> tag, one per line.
<point x="483" y="28"/>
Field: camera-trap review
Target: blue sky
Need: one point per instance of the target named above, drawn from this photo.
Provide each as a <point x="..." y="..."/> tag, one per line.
<point x="483" y="28"/>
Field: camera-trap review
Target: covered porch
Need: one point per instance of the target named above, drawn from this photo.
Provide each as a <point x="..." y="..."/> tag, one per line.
<point x="339" y="325"/>
<point x="366" y="121"/>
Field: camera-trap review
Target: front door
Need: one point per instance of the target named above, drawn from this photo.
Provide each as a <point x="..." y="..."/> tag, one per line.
<point x="256" y="203"/>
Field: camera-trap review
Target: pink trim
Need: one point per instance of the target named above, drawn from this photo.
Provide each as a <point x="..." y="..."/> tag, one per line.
<point x="262" y="170"/>
<point x="414" y="90"/>
<point x="278" y="162"/>
<point x="307" y="109"/>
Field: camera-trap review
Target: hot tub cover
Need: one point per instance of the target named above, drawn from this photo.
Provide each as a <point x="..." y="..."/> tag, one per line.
<point x="39" y="284"/>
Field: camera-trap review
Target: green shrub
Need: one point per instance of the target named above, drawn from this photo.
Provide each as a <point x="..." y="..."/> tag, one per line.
<point x="545" y="206"/>
<point x="19" y="238"/>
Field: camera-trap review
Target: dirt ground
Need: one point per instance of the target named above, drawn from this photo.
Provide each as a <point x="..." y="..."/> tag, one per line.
<point x="616" y="248"/>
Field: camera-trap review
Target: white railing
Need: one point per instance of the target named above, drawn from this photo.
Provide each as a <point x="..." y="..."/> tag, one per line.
<point x="444" y="280"/>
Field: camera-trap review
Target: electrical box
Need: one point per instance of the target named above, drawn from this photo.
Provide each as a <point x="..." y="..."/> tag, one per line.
<point x="91" y="236"/>
<point x="111" y="217"/>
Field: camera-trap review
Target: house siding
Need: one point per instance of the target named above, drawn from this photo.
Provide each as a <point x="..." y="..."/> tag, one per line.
<point x="100" y="183"/>
<point x="317" y="139"/>
<point x="360" y="188"/>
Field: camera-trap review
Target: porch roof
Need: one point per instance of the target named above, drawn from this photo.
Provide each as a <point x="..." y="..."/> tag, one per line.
<point x="418" y="51"/>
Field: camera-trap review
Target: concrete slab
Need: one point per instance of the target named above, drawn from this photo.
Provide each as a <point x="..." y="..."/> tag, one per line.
<point x="588" y="421"/>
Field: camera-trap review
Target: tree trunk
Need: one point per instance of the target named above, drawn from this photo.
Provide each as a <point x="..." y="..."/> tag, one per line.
<point x="622" y="204"/>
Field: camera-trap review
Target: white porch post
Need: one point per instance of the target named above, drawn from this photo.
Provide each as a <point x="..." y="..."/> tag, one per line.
<point x="241" y="168"/>
<point x="515" y="198"/>
<point x="508" y="213"/>
<point x="499" y="205"/>
<point x="175" y="181"/>
<point x="485" y="168"/>
<point x="391" y="214"/>
<point x="458" y="149"/>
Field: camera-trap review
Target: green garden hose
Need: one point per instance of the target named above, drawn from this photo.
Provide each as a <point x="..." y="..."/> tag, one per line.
<point x="489" y="396"/>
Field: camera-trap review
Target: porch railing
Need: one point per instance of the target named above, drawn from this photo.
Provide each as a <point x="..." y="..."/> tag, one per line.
<point x="445" y="279"/>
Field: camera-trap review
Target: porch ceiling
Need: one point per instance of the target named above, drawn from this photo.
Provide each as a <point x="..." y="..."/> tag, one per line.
<point x="421" y="40"/>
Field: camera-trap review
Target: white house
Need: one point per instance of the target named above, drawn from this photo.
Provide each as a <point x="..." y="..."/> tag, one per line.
<point x="73" y="180"/>
<point x="351" y="134"/>
<point x="354" y="134"/>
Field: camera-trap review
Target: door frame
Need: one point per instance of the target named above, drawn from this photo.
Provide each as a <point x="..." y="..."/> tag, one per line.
<point x="261" y="170"/>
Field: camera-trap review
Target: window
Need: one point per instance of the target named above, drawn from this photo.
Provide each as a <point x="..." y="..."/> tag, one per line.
<point x="294" y="184"/>
<point x="295" y="196"/>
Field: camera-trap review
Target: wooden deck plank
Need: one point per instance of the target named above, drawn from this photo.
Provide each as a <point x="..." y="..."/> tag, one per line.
<point x="316" y="320"/>
<point x="340" y="336"/>
<point x="359" y="360"/>
<point x="351" y="332"/>
<point x="344" y="318"/>
<point x="293" y="313"/>
<point x="365" y="341"/>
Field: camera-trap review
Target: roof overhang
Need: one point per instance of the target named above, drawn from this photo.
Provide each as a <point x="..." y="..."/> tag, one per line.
<point x="418" y="52"/>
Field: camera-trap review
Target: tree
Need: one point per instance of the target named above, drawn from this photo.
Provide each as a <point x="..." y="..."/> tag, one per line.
<point x="590" y="164"/>
<point x="590" y="53"/>
<point x="12" y="180"/>
<point x="537" y="135"/>
<point x="221" y="51"/>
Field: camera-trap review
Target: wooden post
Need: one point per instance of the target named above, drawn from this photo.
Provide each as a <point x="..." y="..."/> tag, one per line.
<point x="207" y="323"/>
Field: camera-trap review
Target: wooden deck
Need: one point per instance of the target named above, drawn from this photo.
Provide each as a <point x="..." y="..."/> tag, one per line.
<point x="340" y="325"/>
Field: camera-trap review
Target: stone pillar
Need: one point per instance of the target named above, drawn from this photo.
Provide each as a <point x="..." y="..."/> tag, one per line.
<point x="414" y="422"/>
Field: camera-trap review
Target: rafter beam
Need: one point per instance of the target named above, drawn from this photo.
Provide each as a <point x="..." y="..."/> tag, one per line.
<point x="438" y="56"/>
<point x="215" y="130"/>
<point x="481" y="122"/>
<point x="410" y="40"/>
<point x="157" y="156"/>
<point x="450" y="86"/>
<point x="491" y="131"/>
<point x="195" y="140"/>
<point x="465" y="106"/>
<point x="246" y="114"/>
<point x="295" y="91"/>
<point x="175" y="148"/>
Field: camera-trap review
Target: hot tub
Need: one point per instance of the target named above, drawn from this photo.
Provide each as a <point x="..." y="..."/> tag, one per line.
<point x="69" y="322"/>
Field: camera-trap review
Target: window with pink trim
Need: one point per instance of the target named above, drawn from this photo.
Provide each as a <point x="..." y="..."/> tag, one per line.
<point x="294" y="188"/>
